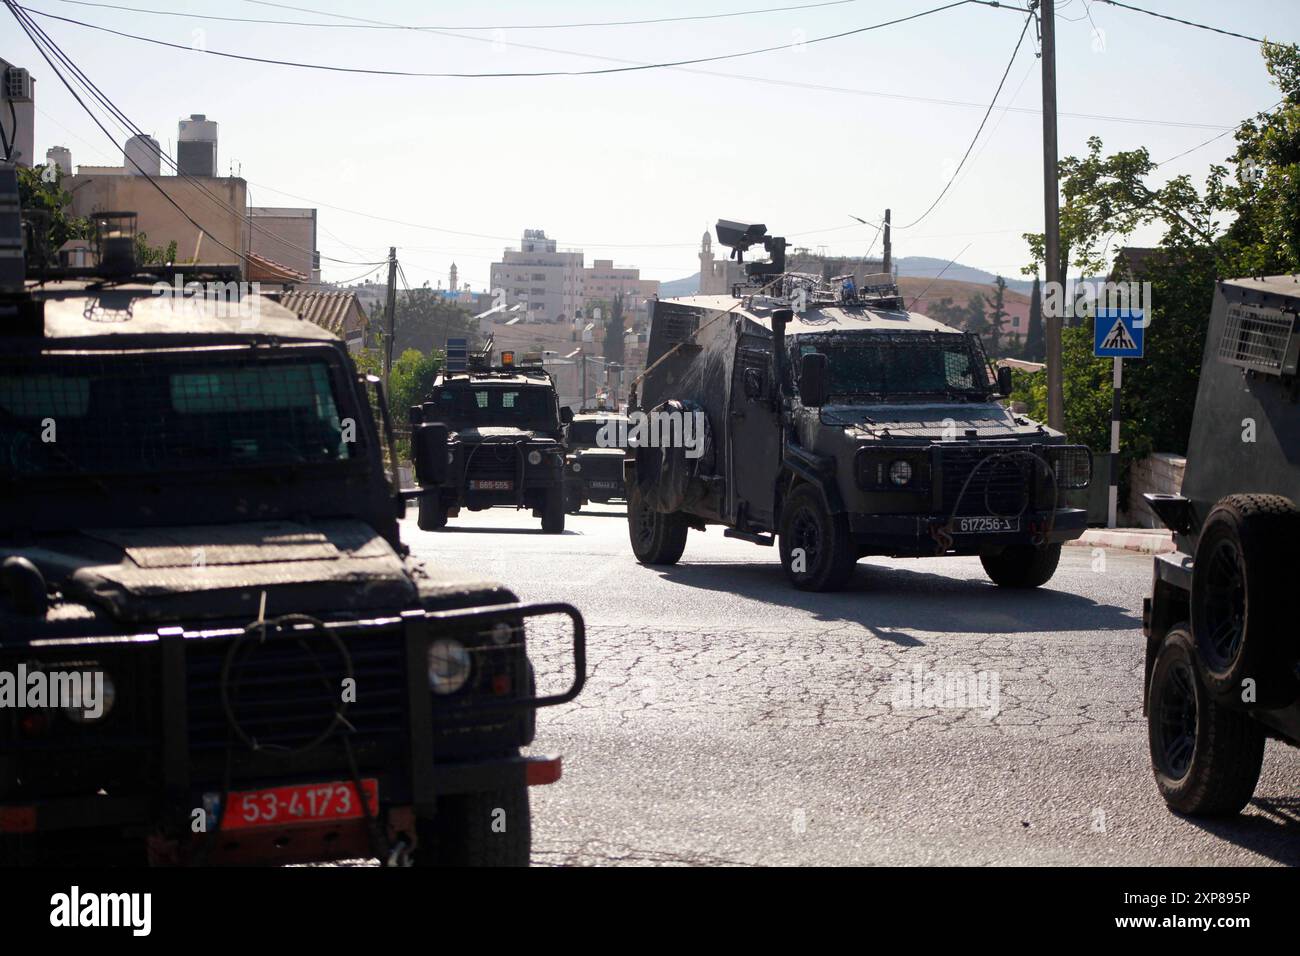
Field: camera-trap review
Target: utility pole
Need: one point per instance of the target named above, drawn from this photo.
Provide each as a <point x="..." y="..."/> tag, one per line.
<point x="1055" y="287"/>
<point x="391" y="315"/>
<point x="888" y="270"/>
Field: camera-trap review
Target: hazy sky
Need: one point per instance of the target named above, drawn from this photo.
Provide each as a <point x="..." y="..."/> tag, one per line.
<point x="635" y="166"/>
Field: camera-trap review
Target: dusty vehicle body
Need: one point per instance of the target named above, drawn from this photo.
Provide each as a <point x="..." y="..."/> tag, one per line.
<point x="193" y="506"/>
<point x="850" y="428"/>
<point x="505" y="444"/>
<point x="593" y="462"/>
<point x="1222" y="655"/>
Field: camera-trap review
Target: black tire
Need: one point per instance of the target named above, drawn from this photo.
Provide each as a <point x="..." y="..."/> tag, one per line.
<point x="553" y="511"/>
<point x="1022" y="565"/>
<point x="829" y="555"/>
<point x="1206" y="757"/>
<point x="657" y="538"/>
<point x="572" y="501"/>
<point x="432" y="516"/>
<point x="491" y="828"/>
<point x="1242" y="596"/>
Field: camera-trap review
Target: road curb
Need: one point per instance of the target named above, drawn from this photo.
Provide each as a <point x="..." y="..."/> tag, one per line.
<point x="1144" y="540"/>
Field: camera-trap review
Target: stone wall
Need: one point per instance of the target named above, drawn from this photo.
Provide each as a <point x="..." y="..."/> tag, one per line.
<point x="1160" y="473"/>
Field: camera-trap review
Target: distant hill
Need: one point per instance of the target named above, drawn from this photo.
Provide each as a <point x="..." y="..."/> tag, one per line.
<point x="928" y="267"/>
<point x="679" y="287"/>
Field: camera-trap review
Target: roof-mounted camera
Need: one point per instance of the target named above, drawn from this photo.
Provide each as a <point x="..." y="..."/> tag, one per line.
<point x="741" y="236"/>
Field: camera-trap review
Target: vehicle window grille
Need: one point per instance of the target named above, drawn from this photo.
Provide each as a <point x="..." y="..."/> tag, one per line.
<point x="149" y="413"/>
<point x="1259" y="339"/>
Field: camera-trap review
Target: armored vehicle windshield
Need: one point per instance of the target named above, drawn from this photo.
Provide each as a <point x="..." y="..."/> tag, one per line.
<point x="131" y="414"/>
<point x="462" y="405"/>
<point x="902" y="368"/>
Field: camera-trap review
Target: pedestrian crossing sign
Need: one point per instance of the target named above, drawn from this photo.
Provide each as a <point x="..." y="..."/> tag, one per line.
<point x="1119" y="333"/>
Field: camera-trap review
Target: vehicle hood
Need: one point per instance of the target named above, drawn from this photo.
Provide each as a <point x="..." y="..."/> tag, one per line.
<point x="154" y="575"/>
<point x="935" y="422"/>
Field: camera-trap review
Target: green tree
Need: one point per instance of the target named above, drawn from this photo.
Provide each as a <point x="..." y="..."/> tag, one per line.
<point x="614" y="331"/>
<point x="424" y="320"/>
<point x="997" y="316"/>
<point x="40" y="191"/>
<point x="1106" y="197"/>
<point x="1035" y="347"/>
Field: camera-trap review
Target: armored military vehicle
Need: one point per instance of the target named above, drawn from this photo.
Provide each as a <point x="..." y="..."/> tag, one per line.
<point x="836" y="423"/>
<point x="214" y="646"/>
<point x="1222" y="659"/>
<point x="504" y="430"/>
<point x="593" y="461"/>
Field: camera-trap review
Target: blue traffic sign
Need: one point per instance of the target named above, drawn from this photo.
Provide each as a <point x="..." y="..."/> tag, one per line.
<point x="1119" y="333"/>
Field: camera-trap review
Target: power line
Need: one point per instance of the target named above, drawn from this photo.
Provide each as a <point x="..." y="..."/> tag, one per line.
<point x="1002" y="82"/>
<point x="125" y="123"/>
<point x="1212" y="139"/>
<point x="28" y="28"/>
<point x="361" y="23"/>
<point x="517" y="74"/>
<point x="1189" y="23"/>
<point x="824" y="88"/>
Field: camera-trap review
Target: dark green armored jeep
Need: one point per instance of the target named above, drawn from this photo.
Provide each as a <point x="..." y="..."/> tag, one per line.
<point x="214" y="646"/>
<point x="593" y="464"/>
<point x="504" y="434"/>
<point x="1222" y="654"/>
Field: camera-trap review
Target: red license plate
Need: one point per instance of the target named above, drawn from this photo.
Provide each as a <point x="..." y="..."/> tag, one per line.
<point x="302" y="803"/>
<point x="480" y="484"/>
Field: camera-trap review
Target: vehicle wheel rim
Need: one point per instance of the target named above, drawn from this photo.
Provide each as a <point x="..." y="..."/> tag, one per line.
<point x="807" y="535"/>
<point x="1176" y="721"/>
<point x="1225" y="605"/>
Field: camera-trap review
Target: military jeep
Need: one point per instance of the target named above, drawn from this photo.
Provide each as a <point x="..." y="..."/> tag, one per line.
<point x="837" y="424"/>
<point x="1222" y="657"/>
<point x="593" y="462"/>
<point x="195" y="519"/>
<point x="504" y="440"/>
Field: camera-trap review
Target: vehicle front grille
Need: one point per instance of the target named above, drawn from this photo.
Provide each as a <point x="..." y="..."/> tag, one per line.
<point x="287" y="689"/>
<point x="602" y="468"/>
<point x="498" y="461"/>
<point x="1001" y="486"/>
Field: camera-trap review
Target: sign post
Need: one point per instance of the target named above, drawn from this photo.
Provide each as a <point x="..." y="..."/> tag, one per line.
<point x="1117" y="334"/>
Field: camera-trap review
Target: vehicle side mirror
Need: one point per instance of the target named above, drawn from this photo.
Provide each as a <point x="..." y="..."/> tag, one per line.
<point x="429" y="452"/>
<point x="814" y="380"/>
<point x="754" y="383"/>
<point x="566" y="415"/>
<point x="1004" y="381"/>
<point x="416" y="415"/>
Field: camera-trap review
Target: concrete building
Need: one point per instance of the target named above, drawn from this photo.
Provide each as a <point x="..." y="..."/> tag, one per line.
<point x="19" y="89"/>
<point x="717" y="276"/>
<point x="542" y="275"/>
<point x="603" y="280"/>
<point x="287" y="236"/>
<point x="61" y="158"/>
<point x="224" y="227"/>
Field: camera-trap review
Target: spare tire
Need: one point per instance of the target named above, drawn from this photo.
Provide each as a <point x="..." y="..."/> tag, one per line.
<point x="664" y="474"/>
<point x="1241" y="600"/>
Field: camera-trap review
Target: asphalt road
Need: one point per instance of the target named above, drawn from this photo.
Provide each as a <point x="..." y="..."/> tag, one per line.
<point x="731" y="720"/>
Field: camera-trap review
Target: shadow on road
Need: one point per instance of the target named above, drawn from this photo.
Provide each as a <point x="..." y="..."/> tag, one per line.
<point x="454" y="529"/>
<point x="1275" y="835"/>
<point x="883" y="599"/>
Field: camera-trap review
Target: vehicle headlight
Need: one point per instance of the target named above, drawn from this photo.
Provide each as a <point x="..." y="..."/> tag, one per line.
<point x="534" y="457"/>
<point x="449" y="666"/>
<point x="577" y="467"/>
<point x="900" y="472"/>
<point x="1072" y="466"/>
<point x="102" y="706"/>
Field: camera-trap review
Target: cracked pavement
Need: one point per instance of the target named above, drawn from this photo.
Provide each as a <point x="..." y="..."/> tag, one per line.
<point x="923" y="716"/>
